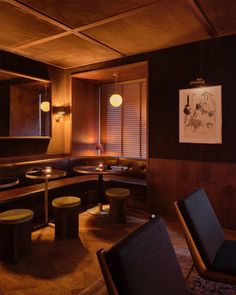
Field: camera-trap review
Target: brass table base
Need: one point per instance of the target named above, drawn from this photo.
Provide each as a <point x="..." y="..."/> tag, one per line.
<point x="100" y="210"/>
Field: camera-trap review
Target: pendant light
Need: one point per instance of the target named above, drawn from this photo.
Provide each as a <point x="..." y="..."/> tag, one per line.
<point x="116" y="99"/>
<point x="45" y="105"/>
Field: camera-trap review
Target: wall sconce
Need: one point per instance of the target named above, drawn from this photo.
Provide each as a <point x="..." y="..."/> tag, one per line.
<point x="60" y="112"/>
<point x="45" y="106"/>
<point x="116" y="99"/>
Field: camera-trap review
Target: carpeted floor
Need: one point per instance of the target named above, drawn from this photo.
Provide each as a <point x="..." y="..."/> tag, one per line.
<point x="197" y="285"/>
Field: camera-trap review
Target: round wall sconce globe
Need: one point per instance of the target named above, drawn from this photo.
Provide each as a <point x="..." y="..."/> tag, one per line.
<point x="116" y="100"/>
<point x="45" y="106"/>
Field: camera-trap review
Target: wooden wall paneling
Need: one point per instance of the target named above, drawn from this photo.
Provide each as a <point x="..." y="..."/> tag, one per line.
<point x="185" y="178"/>
<point x="161" y="183"/>
<point x="172" y="69"/>
<point x="171" y="180"/>
<point x="84" y="117"/>
<point x="223" y="192"/>
<point x="5" y="108"/>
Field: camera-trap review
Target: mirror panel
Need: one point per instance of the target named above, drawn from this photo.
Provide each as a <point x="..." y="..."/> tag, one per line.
<point x="20" y="106"/>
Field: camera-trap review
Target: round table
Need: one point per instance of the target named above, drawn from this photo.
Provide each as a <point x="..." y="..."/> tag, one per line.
<point x="46" y="174"/>
<point x="98" y="210"/>
<point x="8" y="181"/>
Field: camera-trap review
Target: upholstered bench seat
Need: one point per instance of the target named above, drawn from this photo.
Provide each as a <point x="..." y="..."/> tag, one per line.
<point x="29" y="193"/>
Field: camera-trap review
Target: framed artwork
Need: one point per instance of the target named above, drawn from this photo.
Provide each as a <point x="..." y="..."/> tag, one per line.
<point x="200" y="115"/>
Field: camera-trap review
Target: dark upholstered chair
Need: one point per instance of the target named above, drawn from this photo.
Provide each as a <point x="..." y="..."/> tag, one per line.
<point x="144" y="262"/>
<point x="213" y="256"/>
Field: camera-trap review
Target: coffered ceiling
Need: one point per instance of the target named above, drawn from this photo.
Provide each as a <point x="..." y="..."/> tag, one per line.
<point x="72" y="33"/>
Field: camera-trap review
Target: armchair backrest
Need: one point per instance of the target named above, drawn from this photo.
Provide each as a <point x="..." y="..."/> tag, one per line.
<point x="144" y="262"/>
<point x="202" y="223"/>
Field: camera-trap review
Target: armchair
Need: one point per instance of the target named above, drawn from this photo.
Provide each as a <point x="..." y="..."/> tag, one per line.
<point x="214" y="257"/>
<point x="144" y="262"/>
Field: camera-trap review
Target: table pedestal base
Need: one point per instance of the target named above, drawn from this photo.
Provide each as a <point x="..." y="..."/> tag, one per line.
<point x="99" y="210"/>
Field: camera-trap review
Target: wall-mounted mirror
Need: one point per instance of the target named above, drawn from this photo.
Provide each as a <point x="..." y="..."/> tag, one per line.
<point x="24" y="106"/>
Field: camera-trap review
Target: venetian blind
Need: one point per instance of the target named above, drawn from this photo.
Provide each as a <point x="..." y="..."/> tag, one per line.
<point x="123" y="129"/>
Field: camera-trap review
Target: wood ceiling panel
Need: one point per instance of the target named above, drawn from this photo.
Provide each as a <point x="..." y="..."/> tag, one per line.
<point x="222" y="14"/>
<point x="125" y="73"/>
<point x="75" y="13"/>
<point x="69" y="51"/>
<point x="18" y="28"/>
<point x="170" y="23"/>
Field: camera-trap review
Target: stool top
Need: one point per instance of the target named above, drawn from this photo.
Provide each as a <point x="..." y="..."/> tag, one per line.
<point x="118" y="192"/>
<point x="16" y="216"/>
<point x="66" y="202"/>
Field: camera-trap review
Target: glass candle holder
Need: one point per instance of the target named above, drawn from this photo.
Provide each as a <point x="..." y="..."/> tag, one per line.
<point x="48" y="170"/>
<point x="100" y="166"/>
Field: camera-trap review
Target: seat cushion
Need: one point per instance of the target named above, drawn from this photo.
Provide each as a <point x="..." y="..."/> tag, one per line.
<point x="145" y="262"/>
<point x="118" y="192"/>
<point x="16" y="216"/>
<point x="66" y="202"/>
<point x="225" y="259"/>
<point x="203" y="224"/>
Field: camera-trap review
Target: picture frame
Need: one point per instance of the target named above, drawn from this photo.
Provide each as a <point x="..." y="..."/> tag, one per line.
<point x="200" y="115"/>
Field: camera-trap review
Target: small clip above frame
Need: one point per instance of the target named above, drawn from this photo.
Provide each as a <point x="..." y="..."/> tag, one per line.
<point x="199" y="82"/>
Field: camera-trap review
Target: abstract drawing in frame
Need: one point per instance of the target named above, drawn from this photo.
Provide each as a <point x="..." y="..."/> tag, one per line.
<point x="200" y="115"/>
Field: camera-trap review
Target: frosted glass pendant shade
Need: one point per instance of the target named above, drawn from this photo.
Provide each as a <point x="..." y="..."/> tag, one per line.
<point x="116" y="100"/>
<point x="45" y="106"/>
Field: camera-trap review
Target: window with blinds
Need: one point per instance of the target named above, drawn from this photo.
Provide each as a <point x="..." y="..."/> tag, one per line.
<point x="124" y="129"/>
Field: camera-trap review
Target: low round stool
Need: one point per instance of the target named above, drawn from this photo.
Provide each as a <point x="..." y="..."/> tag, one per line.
<point x="117" y="198"/>
<point x="15" y="234"/>
<point x="66" y="210"/>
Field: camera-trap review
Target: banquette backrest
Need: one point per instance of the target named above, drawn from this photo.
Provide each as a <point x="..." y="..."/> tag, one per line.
<point x="136" y="167"/>
<point x="89" y="161"/>
<point x="19" y="169"/>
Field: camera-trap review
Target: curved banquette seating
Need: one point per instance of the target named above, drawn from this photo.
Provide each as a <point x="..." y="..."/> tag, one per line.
<point x="29" y="193"/>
